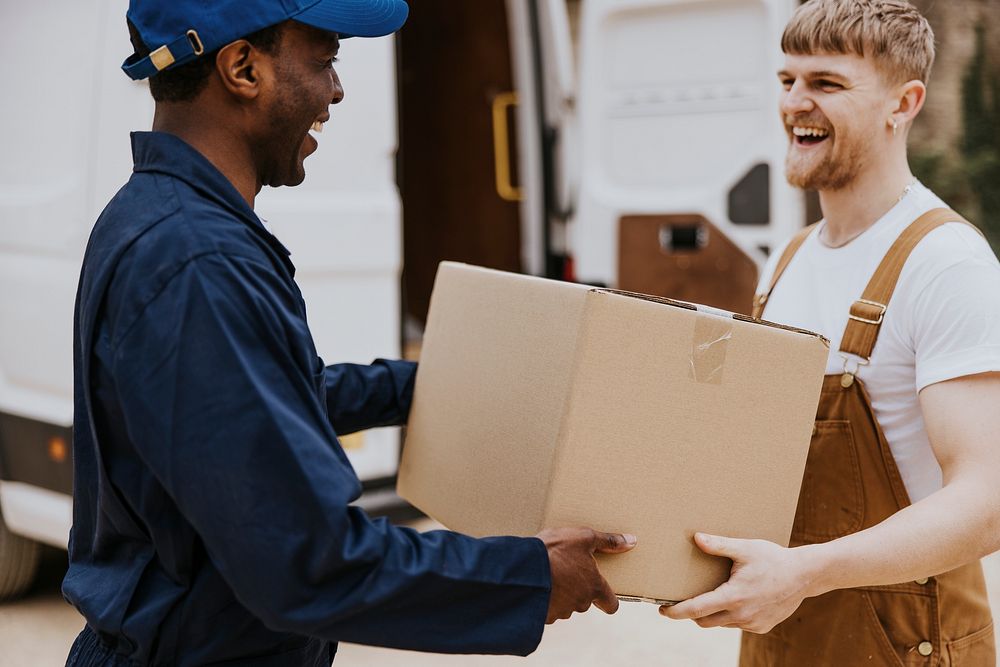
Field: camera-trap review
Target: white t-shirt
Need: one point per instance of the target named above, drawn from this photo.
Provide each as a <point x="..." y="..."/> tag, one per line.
<point x="943" y="321"/>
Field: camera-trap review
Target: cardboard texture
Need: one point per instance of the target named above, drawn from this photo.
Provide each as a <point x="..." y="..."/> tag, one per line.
<point x="542" y="404"/>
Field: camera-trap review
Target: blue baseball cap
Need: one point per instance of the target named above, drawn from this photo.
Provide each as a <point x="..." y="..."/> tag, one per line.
<point x="178" y="31"/>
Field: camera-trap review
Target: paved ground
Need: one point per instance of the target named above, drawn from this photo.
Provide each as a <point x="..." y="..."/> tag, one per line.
<point x="37" y="632"/>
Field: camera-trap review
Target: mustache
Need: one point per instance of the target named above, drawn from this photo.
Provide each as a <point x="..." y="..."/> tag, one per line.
<point x="807" y="120"/>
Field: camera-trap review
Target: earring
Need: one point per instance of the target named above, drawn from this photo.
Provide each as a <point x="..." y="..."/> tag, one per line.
<point x="895" y="126"/>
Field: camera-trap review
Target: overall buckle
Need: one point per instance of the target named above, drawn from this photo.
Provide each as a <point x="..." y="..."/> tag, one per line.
<point x="867" y="320"/>
<point x="847" y="379"/>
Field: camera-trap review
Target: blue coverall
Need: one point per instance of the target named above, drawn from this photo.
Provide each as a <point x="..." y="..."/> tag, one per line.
<point x="212" y="518"/>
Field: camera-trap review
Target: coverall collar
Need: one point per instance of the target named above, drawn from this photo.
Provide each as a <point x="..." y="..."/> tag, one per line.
<point x="165" y="153"/>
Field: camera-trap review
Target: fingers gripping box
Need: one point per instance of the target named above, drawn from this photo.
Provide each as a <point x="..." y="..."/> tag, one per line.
<point x="542" y="404"/>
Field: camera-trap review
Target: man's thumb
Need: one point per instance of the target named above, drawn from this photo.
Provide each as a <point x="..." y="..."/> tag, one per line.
<point x="717" y="545"/>
<point x="613" y="543"/>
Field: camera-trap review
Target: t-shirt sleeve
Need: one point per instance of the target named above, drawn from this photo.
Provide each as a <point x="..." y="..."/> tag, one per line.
<point x="227" y="417"/>
<point x="956" y="323"/>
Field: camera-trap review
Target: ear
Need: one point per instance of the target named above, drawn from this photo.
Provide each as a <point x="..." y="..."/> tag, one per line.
<point x="909" y="101"/>
<point x="242" y="69"/>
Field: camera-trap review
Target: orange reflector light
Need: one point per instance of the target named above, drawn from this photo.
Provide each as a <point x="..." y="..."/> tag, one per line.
<point x="58" y="450"/>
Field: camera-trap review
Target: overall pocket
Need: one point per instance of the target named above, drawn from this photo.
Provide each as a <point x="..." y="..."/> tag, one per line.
<point x="906" y="615"/>
<point x="975" y="650"/>
<point x="831" y="501"/>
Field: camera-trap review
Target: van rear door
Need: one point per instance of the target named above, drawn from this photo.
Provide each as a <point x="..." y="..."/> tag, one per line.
<point x="681" y="190"/>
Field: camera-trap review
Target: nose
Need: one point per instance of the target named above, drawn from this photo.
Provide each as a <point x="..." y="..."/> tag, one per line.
<point x="796" y="100"/>
<point x="338" y="90"/>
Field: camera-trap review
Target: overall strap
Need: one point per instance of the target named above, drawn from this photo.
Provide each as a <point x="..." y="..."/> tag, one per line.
<point x="868" y="312"/>
<point x="760" y="300"/>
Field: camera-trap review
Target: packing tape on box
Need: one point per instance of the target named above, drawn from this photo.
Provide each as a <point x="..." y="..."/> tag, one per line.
<point x="709" y="348"/>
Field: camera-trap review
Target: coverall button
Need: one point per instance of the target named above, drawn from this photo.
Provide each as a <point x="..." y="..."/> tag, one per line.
<point x="925" y="648"/>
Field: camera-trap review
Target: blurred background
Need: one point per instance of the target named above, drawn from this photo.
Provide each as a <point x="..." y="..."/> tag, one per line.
<point x="955" y="145"/>
<point x="628" y="143"/>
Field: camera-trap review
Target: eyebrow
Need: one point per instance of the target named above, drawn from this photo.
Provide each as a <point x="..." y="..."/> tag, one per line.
<point x="818" y="74"/>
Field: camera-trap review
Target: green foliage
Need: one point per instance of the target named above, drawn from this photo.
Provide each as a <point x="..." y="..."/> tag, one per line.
<point x="948" y="178"/>
<point x="981" y="144"/>
<point x="980" y="95"/>
<point x="972" y="184"/>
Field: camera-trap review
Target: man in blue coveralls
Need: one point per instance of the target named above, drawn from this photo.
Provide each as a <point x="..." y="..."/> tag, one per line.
<point x="211" y="506"/>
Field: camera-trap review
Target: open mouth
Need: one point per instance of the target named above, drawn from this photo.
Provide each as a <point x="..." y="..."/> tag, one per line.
<point x="316" y="128"/>
<point x="809" y="136"/>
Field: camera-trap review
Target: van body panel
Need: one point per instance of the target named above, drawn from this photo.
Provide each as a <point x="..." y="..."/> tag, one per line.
<point x="66" y="153"/>
<point x="678" y="101"/>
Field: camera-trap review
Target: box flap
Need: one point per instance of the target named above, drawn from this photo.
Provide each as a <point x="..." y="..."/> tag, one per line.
<point x="489" y="398"/>
<point x="714" y="311"/>
<point x="681" y="421"/>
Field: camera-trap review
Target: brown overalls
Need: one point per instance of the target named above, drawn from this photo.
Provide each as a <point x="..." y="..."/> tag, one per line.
<point x="851" y="483"/>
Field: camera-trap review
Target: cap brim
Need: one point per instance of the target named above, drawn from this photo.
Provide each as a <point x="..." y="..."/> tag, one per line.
<point x="356" y="18"/>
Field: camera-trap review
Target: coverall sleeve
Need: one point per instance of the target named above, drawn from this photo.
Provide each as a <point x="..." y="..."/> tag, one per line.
<point x="224" y="410"/>
<point x="362" y="397"/>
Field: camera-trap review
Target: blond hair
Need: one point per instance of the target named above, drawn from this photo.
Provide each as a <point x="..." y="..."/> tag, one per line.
<point x="891" y="32"/>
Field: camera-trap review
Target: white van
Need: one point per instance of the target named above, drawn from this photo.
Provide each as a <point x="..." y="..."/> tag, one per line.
<point x="630" y="143"/>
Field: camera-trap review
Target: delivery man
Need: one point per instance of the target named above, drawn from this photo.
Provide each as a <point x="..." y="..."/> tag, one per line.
<point x="901" y="494"/>
<point x="212" y="517"/>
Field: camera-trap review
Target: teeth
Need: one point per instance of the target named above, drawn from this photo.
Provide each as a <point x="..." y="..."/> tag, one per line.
<point x="317" y="127"/>
<point x="809" y="132"/>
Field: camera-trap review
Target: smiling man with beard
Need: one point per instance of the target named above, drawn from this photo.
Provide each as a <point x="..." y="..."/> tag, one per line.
<point x="212" y="500"/>
<point x="901" y="493"/>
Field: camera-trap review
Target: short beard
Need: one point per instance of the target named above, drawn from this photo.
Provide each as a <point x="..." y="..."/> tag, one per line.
<point x="834" y="173"/>
<point x="828" y="175"/>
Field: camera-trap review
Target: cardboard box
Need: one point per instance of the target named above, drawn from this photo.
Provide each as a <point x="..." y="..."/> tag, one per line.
<point x="542" y="404"/>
